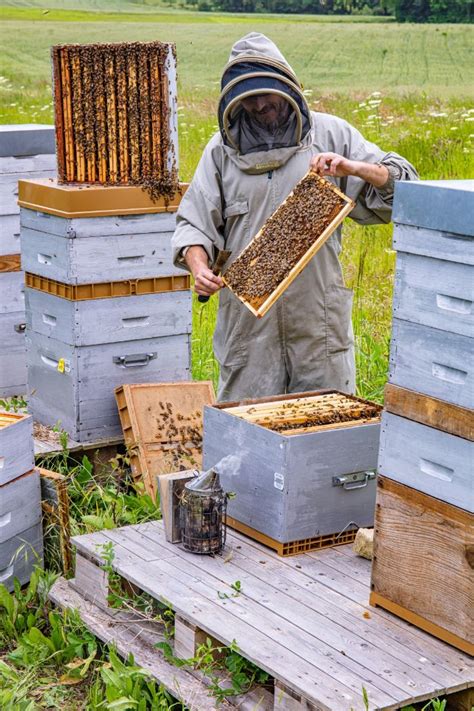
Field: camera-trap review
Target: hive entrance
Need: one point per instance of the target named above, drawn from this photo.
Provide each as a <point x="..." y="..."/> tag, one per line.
<point x="309" y="414"/>
<point x="287" y="242"/>
<point x="115" y="114"/>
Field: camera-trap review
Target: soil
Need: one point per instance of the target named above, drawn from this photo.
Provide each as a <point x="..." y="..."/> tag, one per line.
<point x="284" y="239"/>
<point x="112" y="108"/>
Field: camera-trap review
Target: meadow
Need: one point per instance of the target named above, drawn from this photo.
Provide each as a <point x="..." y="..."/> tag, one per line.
<point x="406" y="87"/>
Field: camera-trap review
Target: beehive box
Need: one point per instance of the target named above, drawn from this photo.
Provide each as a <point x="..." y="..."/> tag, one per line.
<point x="301" y="465"/>
<point x="12" y="338"/>
<point x="288" y="240"/>
<point x="423" y="568"/>
<point x="16" y="446"/>
<point x="91" y="249"/>
<point x="75" y="384"/>
<point x="20" y="554"/>
<point x="434" y="462"/>
<point x="20" y="505"/>
<point x="24" y="150"/>
<point x="162" y="427"/>
<point x="91" y="322"/>
<point x="115" y="114"/>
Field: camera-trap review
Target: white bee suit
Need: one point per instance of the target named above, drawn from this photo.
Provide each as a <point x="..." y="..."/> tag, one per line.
<point x="305" y="341"/>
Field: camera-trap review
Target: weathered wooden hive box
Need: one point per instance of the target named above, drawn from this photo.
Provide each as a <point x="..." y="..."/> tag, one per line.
<point x="301" y="466"/>
<point x="25" y="151"/>
<point x="21" y="546"/>
<point x="425" y="500"/>
<point x="102" y="308"/>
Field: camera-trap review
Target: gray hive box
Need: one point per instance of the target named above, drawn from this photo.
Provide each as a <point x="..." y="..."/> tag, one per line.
<point x="20" y="505"/>
<point x="433" y="305"/>
<point x="20" y="554"/>
<point x="26" y="151"/>
<point x="16" y="446"/>
<point x="26" y="139"/>
<point x="291" y="487"/>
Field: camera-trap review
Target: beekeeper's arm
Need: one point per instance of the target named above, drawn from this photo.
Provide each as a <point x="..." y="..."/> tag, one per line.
<point x="367" y="173"/>
<point x="199" y="222"/>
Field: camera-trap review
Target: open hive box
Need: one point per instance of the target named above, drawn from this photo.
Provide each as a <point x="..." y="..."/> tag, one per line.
<point x="302" y="466"/>
<point x="162" y="427"/>
<point x="115" y="114"/>
<point x="287" y="242"/>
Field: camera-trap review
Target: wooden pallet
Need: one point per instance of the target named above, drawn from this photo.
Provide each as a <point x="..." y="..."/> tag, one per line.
<point x="305" y="620"/>
<point x="155" y="437"/>
<point x="430" y="411"/>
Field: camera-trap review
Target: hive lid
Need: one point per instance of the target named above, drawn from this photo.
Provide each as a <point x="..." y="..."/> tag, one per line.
<point x="445" y="205"/>
<point x="26" y="139"/>
<point x="47" y="195"/>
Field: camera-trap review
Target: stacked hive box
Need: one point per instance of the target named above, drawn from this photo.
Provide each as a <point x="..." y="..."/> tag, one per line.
<point x="104" y="306"/>
<point x="423" y="566"/>
<point x="25" y="150"/>
<point x="21" y="544"/>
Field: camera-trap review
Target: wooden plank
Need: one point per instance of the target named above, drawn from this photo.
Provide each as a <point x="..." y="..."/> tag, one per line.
<point x="144" y="105"/>
<point x="420" y="542"/>
<point x="138" y="638"/>
<point x="78" y="113"/>
<point x="89" y="113"/>
<point x="121" y="69"/>
<point x="376" y="666"/>
<point x="133" y="114"/>
<point x="55" y="502"/>
<point x="170" y="487"/>
<point x="10" y="262"/>
<point x="430" y="411"/>
<point x="100" y="122"/>
<point x="262" y="305"/>
<point x="155" y="96"/>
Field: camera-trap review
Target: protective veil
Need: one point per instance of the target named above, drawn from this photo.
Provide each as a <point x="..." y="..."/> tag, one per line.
<point x="305" y="341"/>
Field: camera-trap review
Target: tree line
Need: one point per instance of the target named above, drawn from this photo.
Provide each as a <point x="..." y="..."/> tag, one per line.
<point x="403" y="10"/>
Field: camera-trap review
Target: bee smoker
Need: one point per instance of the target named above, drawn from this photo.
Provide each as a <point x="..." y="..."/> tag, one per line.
<point x="203" y="508"/>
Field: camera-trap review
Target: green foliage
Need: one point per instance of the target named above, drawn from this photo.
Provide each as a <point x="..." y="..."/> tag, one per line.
<point x="434" y="10"/>
<point x="17" y="403"/>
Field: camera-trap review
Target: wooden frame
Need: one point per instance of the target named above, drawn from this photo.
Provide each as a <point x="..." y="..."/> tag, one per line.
<point x="266" y="303"/>
<point x="55" y="505"/>
<point x="10" y="262"/>
<point x="140" y="415"/>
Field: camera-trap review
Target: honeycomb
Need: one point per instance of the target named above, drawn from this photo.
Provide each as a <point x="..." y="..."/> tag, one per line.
<point x="112" y="104"/>
<point x="284" y="239"/>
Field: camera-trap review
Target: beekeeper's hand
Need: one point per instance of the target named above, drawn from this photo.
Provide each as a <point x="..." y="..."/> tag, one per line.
<point x="205" y="282"/>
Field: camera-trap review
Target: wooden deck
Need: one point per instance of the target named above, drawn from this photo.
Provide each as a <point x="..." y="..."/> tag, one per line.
<point x="305" y="620"/>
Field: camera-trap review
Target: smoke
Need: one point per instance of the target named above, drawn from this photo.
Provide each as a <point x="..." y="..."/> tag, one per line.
<point x="229" y="466"/>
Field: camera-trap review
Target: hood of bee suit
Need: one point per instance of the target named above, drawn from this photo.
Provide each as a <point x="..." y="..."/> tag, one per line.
<point x="256" y="66"/>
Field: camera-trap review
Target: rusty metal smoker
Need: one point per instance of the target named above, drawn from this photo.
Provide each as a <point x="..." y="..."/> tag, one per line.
<point x="203" y="510"/>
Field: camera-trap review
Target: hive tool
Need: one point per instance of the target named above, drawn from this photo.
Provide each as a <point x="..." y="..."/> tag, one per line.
<point x="222" y="257"/>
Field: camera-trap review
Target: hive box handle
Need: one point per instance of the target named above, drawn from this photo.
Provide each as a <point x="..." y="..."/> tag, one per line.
<point x="137" y="360"/>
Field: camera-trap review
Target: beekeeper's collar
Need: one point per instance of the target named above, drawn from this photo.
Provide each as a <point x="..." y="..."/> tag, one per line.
<point x="256" y="66"/>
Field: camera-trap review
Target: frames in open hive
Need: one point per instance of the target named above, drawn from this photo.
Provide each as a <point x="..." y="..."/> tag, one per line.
<point x="115" y="114"/>
<point x="286" y="242"/>
<point x="325" y="410"/>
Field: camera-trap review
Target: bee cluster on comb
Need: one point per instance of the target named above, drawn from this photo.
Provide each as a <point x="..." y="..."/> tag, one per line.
<point x="115" y="115"/>
<point x="295" y="228"/>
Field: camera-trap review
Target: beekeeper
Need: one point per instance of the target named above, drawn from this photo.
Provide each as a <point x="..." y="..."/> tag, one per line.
<point x="268" y="139"/>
